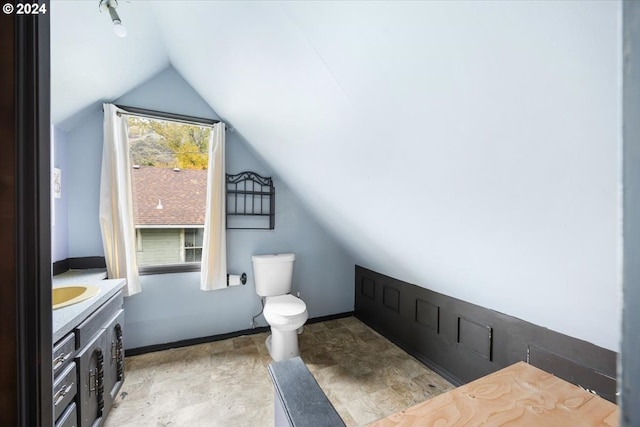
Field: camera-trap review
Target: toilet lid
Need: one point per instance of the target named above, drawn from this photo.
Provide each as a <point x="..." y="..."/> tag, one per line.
<point x="285" y="305"/>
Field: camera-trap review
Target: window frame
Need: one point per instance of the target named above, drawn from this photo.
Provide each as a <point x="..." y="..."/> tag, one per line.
<point x="186" y="267"/>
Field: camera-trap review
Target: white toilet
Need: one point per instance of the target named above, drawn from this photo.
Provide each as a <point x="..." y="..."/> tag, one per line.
<point x="285" y="313"/>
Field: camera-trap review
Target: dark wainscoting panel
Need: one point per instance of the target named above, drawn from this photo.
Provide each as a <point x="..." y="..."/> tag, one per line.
<point x="368" y="288"/>
<point x="475" y="337"/>
<point x="428" y="314"/>
<point x="574" y="372"/>
<point x="463" y="341"/>
<point x="391" y="298"/>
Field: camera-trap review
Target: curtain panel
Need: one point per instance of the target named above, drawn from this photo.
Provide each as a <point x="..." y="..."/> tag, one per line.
<point x="116" y="203"/>
<point x="213" y="274"/>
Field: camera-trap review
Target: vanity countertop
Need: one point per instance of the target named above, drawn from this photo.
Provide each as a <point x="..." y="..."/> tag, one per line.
<point x="67" y="318"/>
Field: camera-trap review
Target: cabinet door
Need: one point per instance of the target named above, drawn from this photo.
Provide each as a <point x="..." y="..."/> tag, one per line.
<point x="91" y="362"/>
<point x="114" y="359"/>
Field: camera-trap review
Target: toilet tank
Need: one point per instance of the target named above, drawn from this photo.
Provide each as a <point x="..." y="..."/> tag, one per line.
<point x="273" y="274"/>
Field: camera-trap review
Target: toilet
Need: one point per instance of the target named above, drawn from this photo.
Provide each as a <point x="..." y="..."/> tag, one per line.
<point x="285" y="313"/>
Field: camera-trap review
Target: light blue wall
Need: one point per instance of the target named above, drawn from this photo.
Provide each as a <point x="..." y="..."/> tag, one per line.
<point x="84" y="160"/>
<point x="59" y="228"/>
<point x="171" y="307"/>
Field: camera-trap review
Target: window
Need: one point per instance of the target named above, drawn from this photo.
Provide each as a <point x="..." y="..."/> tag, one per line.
<point x="193" y="244"/>
<point x="169" y="187"/>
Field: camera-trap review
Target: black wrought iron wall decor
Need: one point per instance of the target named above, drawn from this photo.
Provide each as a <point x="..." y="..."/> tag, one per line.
<point x="251" y="202"/>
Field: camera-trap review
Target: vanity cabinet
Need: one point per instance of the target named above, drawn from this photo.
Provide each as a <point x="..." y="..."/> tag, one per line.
<point x="95" y="362"/>
<point x="100" y="361"/>
<point x="65" y="379"/>
<point x="100" y="372"/>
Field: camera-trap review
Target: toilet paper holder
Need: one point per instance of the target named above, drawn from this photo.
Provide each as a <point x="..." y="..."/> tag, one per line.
<point x="243" y="278"/>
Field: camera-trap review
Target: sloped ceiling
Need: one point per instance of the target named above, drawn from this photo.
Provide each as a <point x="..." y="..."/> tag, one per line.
<point x="468" y="147"/>
<point x="90" y="65"/>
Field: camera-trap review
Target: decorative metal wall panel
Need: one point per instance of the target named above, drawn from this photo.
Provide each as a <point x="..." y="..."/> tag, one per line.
<point x="251" y="202"/>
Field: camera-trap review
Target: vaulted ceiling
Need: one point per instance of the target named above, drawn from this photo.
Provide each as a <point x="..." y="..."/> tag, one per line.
<point x="469" y="147"/>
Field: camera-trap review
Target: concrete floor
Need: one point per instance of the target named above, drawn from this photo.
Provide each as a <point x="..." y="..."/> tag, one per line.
<point x="225" y="383"/>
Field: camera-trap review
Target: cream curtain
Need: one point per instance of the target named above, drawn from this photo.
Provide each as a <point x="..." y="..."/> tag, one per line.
<point x="116" y="206"/>
<point x="214" y="253"/>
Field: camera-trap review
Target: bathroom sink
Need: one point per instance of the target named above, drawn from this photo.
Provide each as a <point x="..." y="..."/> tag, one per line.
<point x="67" y="295"/>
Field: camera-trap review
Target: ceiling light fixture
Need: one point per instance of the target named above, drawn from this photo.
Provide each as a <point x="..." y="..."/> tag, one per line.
<point x="110" y="6"/>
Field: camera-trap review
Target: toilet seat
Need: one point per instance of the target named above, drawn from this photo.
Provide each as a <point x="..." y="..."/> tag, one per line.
<point x="285" y="305"/>
<point x="284" y="310"/>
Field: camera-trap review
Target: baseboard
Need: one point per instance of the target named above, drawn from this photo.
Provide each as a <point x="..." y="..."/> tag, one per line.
<point x="203" y="340"/>
<point x="60" y="267"/>
<point x="80" y="263"/>
<point x="192" y="341"/>
<point x="330" y="317"/>
<point x="83" y="263"/>
<point x="463" y="341"/>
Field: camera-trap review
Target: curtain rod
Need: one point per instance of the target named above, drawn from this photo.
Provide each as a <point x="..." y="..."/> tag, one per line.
<point x="141" y="112"/>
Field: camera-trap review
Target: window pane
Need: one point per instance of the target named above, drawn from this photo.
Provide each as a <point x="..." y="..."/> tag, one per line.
<point x="193" y="255"/>
<point x="188" y="238"/>
<point x="199" y="237"/>
<point x="169" y="187"/>
<point x="193" y="237"/>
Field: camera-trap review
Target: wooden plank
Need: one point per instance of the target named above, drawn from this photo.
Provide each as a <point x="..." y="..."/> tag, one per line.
<point x="518" y="395"/>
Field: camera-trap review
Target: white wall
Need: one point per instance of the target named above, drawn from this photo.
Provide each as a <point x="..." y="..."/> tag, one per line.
<point x="171" y="306"/>
<point x="469" y="147"/>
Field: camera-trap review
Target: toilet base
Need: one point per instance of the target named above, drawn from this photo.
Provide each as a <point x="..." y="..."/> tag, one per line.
<point x="282" y="345"/>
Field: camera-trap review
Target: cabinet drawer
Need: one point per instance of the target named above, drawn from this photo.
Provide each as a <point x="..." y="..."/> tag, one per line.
<point x="69" y="418"/>
<point x="87" y="329"/>
<point x="63" y="353"/>
<point x="64" y="389"/>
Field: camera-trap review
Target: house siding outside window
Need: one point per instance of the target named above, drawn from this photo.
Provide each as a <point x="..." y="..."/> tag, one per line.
<point x="159" y="246"/>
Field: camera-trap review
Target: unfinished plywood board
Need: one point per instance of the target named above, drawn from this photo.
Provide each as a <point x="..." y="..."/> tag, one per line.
<point x="518" y="395"/>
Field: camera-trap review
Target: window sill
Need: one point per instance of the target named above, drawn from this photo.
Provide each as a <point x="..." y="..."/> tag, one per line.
<point x="169" y="268"/>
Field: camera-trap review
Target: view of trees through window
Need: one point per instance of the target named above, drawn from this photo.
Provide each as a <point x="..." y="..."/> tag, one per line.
<point x="162" y="143"/>
<point x="169" y="185"/>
